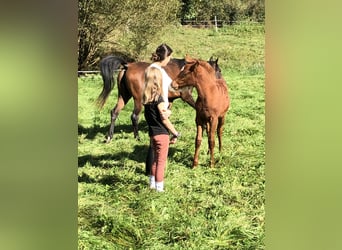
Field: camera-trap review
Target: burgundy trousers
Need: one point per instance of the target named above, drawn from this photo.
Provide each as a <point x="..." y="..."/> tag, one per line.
<point x="160" y="147"/>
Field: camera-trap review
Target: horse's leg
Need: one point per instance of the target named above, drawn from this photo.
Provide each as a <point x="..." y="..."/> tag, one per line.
<point x="135" y="117"/>
<point x="198" y="142"/>
<point x="187" y="97"/>
<point x="211" y="140"/>
<point x="220" y="131"/>
<point x="114" y="114"/>
<point x="207" y="127"/>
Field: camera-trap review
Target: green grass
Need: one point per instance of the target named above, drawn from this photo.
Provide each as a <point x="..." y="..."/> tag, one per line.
<point x="220" y="208"/>
<point x="240" y="48"/>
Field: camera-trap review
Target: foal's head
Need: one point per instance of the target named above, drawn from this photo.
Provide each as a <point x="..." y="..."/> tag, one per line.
<point x="216" y="67"/>
<point x="194" y="71"/>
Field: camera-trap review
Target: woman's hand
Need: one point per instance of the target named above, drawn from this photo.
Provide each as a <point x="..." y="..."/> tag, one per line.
<point x="174" y="138"/>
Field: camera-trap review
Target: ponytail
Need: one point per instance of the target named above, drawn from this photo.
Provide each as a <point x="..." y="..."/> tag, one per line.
<point x="161" y="53"/>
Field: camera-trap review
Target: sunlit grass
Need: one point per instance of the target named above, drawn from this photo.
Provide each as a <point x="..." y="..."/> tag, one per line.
<point x="202" y="208"/>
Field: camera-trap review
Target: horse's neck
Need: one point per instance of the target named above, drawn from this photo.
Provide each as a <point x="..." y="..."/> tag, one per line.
<point x="204" y="87"/>
<point x="200" y="91"/>
<point x="179" y="62"/>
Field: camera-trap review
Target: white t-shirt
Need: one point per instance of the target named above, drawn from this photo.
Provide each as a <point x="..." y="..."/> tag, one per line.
<point x="166" y="82"/>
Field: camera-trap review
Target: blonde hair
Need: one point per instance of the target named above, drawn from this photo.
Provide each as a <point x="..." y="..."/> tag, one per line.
<point x="153" y="85"/>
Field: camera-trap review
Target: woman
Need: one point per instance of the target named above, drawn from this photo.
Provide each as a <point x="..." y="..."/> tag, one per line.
<point x="160" y="58"/>
<point x="156" y="115"/>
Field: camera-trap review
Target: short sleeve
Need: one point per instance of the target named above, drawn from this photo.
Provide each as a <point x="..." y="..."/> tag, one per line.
<point x="160" y="99"/>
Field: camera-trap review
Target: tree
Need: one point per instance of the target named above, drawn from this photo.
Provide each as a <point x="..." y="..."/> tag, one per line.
<point x="230" y="11"/>
<point x="94" y="23"/>
<point x="139" y="21"/>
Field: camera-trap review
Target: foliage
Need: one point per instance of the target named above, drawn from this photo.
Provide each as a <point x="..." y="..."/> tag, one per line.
<point x="95" y="21"/>
<point x="101" y="25"/>
<point x="126" y="27"/>
<point x="145" y="20"/>
<point x="229" y="11"/>
<point x="220" y="208"/>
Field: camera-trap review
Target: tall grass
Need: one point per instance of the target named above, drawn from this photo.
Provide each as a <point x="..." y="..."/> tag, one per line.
<point x="220" y="208"/>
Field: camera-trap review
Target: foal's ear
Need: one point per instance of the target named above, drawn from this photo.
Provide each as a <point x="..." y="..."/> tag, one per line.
<point x="188" y="59"/>
<point x="194" y="66"/>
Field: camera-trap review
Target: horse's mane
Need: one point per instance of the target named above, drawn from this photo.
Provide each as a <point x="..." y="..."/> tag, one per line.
<point x="207" y="66"/>
<point x="179" y="62"/>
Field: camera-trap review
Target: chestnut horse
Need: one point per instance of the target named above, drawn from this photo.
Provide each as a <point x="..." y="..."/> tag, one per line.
<point x="211" y="105"/>
<point x="131" y="82"/>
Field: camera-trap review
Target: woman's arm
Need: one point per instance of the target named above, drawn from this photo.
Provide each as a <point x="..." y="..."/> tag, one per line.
<point x="165" y="113"/>
<point x="166" y="120"/>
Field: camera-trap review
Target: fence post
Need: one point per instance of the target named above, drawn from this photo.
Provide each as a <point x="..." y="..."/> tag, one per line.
<point x="215" y="24"/>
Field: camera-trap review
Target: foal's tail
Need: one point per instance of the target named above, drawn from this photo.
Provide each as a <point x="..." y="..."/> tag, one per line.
<point x="108" y="66"/>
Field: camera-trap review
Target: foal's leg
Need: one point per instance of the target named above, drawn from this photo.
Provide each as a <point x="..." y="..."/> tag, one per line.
<point x="114" y="114"/>
<point x="186" y="95"/>
<point x="135" y="118"/>
<point x="220" y="131"/>
<point x="208" y="131"/>
<point x="211" y="140"/>
<point x="198" y="142"/>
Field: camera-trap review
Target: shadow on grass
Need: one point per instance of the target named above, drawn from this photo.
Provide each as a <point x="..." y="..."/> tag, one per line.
<point x="108" y="161"/>
<point x="91" y="132"/>
<point x="111" y="180"/>
<point x="139" y="154"/>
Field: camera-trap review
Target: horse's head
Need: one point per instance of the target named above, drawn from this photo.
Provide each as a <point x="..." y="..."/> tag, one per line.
<point x="216" y="67"/>
<point x="185" y="77"/>
<point x="193" y="70"/>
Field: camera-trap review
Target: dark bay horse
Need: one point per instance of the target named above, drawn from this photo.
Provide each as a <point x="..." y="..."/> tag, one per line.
<point x="211" y="105"/>
<point x="131" y="82"/>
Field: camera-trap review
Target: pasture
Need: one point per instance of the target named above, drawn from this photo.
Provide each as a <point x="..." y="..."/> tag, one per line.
<point x="202" y="208"/>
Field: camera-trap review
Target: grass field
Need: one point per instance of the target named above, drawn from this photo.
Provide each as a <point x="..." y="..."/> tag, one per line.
<point x="220" y="208"/>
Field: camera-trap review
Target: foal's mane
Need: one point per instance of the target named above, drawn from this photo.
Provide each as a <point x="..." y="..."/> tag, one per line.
<point x="207" y="66"/>
<point x="200" y="62"/>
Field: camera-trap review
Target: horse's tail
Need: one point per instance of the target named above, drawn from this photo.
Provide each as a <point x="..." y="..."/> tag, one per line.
<point x="108" y="66"/>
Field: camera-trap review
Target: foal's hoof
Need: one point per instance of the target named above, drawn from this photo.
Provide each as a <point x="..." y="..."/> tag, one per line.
<point x="194" y="165"/>
<point x="107" y="140"/>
